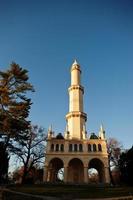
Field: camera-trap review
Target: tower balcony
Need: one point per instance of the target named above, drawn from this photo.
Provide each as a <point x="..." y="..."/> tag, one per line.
<point x="76" y="114"/>
<point x="76" y="87"/>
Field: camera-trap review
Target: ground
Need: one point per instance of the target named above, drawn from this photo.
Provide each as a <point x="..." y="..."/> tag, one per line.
<point x="74" y="191"/>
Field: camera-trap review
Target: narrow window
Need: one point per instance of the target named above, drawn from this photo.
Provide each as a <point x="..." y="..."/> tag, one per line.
<point x="94" y="147"/>
<point x="80" y="147"/>
<point x="57" y="147"/>
<point x="89" y="147"/>
<point x="99" y="147"/>
<point x="62" y="147"/>
<point x="70" y="147"/>
<point x="75" y="147"/>
<point x="52" y="147"/>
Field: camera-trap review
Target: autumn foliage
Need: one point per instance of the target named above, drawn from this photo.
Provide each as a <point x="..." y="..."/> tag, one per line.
<point x="14" y="106"/>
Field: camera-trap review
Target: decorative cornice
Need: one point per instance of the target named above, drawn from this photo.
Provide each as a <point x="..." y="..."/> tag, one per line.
<point x="76" y="114"/>
<point x="76" y="87"/>
<point x="77" y="67"/>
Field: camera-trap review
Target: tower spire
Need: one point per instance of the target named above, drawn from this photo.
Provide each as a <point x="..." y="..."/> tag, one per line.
<point x="101" y="128"/>
<point x="102" y="132"/>
<point x="50" y="132"/>
<point x="75" y="73"/>
<point x="75" y="62"/>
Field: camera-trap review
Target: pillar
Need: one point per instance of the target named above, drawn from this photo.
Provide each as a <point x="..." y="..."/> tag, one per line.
<point x="45" y="174"/>
<point x="85" y="174"/>
<point x="49" y="174"/>
<point x="107" y="176"/>
<point x="65" y="174"/>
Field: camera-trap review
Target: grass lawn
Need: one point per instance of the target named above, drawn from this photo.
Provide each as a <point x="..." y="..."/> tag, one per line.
<point x="74" y="191"/>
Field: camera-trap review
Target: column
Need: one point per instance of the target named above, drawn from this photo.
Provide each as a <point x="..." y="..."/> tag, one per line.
<point x="85" y="147"/>
<point x="85" y="174"/>
<point x="65" y="174"/>
<point x="45" y="174"/>
<point x="49" y="174"/>
<point x="107" y="176"/>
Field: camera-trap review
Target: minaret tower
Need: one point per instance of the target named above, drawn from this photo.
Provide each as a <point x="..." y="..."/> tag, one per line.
<point x="76" y="117"/>
<point x="74" y="151"/>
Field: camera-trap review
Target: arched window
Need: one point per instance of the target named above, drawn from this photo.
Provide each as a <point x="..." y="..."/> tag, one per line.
<point x="80" y="147"/>
<point x="70" y="147"/>
<point x="99" y="147"/>
<point x="94" y="147"/>
<point x="57" y="147"/>
<point x="62" y="147"/>
<point x="75" y="147"/>
<point x="52" y="147"/>
<point x="89" y="147"/>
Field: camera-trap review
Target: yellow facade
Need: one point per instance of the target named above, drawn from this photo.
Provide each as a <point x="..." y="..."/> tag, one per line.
<point x="74" y="152"/>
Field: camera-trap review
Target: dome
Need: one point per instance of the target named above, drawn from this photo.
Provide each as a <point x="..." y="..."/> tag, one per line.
<point x="93" y="136"/>
<point x="59" y="136"/>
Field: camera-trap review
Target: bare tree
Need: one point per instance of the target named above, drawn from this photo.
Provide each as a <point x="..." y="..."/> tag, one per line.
<point x="114" y="150"/>
<point x="32" y="151"/>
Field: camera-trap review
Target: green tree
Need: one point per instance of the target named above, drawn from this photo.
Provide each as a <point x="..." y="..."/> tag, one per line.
<point x="126" y="166"/>
<point x="14" y="106"/>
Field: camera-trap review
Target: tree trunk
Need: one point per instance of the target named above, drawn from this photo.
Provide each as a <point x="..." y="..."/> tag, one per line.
<point x="4" y="165"/>
<point x="24" y="174"/>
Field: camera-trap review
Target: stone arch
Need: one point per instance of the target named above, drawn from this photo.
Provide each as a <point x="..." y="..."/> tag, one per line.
<point x="75" y="171"/>
<point x="52" y="147"/>
<point x="57" y="147"/>
<point x="54" y="166"/>
<point x="70" y="147"/>
<point x="89" y="147"/>
<point x="80" y="147"/>
<point x="75" y="147"/>
<point x="99" y="147"/>
<point x="98" y="165"/>
<point x="62" y="147"/>
<point x="94" y="147"/>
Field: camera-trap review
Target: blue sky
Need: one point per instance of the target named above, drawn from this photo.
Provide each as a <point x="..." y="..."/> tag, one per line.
<point x="45" y="36"/>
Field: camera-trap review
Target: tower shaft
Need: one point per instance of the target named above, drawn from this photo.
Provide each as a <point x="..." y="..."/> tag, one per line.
<point x="76" y="117"/>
